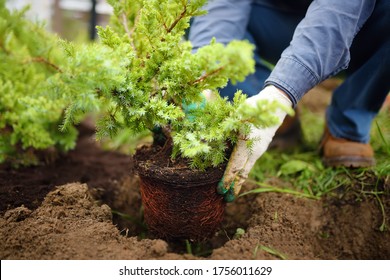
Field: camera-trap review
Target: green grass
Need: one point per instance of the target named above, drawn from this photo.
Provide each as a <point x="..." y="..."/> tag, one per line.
<point x="301" y="171"/>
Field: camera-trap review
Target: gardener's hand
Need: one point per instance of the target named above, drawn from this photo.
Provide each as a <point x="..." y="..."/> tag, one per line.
<point x="242" y="159"/>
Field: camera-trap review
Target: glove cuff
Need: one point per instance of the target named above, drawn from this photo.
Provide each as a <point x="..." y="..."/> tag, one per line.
<point x="271" y="93"/>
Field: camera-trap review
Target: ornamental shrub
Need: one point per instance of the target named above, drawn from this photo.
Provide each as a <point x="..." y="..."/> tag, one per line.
<point x="150" y="79"/>
<point x="30" y="113"/>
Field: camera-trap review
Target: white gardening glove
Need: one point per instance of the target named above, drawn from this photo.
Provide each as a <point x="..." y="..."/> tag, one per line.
<point x="242" y="160"/>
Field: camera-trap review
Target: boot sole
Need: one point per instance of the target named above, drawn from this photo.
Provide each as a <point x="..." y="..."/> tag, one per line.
<point x="349" y="161"/>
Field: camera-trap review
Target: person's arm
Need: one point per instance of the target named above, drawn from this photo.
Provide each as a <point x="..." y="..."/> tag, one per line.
<point x="226" y="20"/>
<point x="319" y="49"/>
<point x="320" y="45"/>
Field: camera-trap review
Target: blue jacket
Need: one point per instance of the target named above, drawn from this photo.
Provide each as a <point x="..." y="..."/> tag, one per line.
<point x="320" y="47"/>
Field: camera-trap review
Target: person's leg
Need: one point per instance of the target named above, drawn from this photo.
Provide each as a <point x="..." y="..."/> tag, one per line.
<point x="270" y="30"/>
<point x="356" y="102"/>
<point x="253" y="83"/>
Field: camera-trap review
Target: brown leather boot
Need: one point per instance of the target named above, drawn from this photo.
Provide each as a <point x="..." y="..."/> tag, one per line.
<point x="338" y="152"/>
<point x="289" y="134"/>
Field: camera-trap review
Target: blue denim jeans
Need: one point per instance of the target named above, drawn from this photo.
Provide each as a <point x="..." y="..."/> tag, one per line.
<point x="356" y="102"/>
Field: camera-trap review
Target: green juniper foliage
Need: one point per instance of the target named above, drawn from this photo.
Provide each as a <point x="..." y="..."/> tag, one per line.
<point x="30" y="113"/>
<point x="149" y="75"/>
<point x="140" y="76"/>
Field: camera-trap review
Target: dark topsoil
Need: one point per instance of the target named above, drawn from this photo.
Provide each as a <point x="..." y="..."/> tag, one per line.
<point x="63" y="210"/>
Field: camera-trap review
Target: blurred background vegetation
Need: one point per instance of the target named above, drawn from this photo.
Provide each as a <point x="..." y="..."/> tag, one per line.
<point x="73" y="20"/>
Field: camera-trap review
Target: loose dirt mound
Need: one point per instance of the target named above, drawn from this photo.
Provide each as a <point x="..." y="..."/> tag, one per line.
<point x="70" y="225"/>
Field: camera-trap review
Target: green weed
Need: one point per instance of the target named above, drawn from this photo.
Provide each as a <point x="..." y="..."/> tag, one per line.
<point x="270" y="251"/>
<point x="130" y="218"/>
<point x="197" y="248"/>
<point x="268" y="188"/>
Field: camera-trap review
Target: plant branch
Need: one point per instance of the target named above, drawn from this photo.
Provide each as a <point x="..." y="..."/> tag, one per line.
<point x="128" y="31"/>
<point x="126" y="25"/>
<point x="205" y="76"/>
<point x="179" y="18"/>
<point x="3" y="48"/>
<point x="40" y="59"/>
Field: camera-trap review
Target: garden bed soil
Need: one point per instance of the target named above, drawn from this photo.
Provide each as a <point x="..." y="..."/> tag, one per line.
<point x="87" y="205"/>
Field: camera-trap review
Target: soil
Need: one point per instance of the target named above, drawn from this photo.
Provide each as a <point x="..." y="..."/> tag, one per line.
<point x="87" y="205"/>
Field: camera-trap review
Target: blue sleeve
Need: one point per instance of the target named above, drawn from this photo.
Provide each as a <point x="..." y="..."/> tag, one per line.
<point x="320" y="47"/>
<point x="226" y="20"/>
